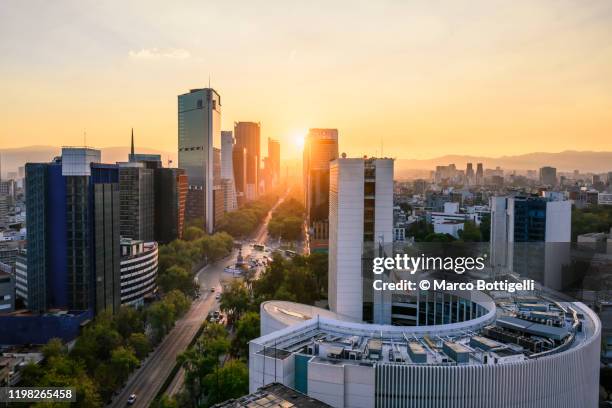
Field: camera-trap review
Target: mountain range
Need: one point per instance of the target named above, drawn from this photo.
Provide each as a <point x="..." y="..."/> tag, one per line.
<point x="585" y="161"/>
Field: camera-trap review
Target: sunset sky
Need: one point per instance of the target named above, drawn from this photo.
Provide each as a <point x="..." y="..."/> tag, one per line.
<point x="427" y="77"/>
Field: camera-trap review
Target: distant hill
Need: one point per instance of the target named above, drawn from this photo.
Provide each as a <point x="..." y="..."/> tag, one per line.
<point x="596" y="162"/>
<point x="12" y="159"/>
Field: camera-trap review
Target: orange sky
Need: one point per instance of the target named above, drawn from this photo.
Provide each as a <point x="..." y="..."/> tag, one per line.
<point x="427" y="78"/>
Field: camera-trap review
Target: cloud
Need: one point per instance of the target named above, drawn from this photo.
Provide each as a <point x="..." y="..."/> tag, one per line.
<point x="157" y="53"/>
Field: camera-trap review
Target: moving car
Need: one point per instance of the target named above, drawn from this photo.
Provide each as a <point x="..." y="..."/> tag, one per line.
<point x="131" y="399"/>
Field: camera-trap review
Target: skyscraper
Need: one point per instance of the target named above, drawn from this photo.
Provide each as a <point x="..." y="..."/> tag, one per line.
<point x="239" y="160"/>
<point x="320" y="148"/>
<point x="73" y="233"/>
<point x="548" y="176"/>
<point x="479" y="174"/>
<point x="227" y="170"/>
<point x="199" y="127"/>
<point x="248" y="136"/>
<point x="273" y="163"/>
<point x="360" y="216"/>
<point x="469" y="174"/>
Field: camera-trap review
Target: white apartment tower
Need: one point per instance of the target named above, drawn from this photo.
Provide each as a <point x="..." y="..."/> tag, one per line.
<point x="360" y="214"/>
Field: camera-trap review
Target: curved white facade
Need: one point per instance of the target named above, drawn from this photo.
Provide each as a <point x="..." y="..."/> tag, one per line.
<point x="139" y="274"/>
<point x="296" y="352"/>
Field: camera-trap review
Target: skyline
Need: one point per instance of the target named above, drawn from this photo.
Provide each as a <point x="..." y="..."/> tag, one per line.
<point x="527" y="77"/>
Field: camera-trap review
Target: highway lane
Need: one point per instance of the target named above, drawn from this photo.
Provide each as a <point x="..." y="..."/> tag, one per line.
<point x="147" y="381"/>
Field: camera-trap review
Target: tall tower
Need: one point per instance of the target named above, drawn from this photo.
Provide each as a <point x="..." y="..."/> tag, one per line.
<point x="273" y="162"/>
<point x="248" y="136"/>
<point x="320" y="148"/>
<point x="227" y="170"/>
<point x="199" y="127"/>
<point x="360" y="217"/>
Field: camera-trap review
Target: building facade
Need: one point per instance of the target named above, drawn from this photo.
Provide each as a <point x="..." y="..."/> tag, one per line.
<point x="199" y="127"/>
<point x="227" y="171"/>
<point x="137" y="201"/>
<point x="139" y="265"/>
<point x="248" y="136"/>
<point x="171" y="190"/>
<point x="489" y="359"/>
<point x="531" y="237"/>
<point x="360" y="217"/>
<point x="73" y="233"/>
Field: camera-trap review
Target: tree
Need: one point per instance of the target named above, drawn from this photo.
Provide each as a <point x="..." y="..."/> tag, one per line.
<point x="161" y="316"/>
<point x="229" y="381"/>
<point x="247" y="329"/>
<point x="140" y="344"/>
<point x="192" y="233"/>
<point x="127" y="321"/>
<point x="122" y="362"/>
<point x="470" y="232"/>
<point x="53" y="348"/>
<point x="177" y="277"/>
<point x="234" y="300"/>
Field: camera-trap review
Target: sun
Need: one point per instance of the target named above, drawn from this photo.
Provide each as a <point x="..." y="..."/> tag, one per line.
<point x="299" y="138"/>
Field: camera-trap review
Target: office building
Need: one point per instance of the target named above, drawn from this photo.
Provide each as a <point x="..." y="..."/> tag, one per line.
<point x="199" y="128"/>
<point x="479" y="174"/>
<point x="73" y="233"/>
<point x="478" y="353"/>
<point x="469" y="174"/>
<point x="360" y="217"/>
<point x="548" y="176"/>
<point x="320" y="148"/>
<point x="239" y="160"/>
<point x="139" y="263"/>
<point x="137" y="201"/>
<point x="530" y="236"/>
<point x="171" y="190"/>
<point x="248" y="136"/>
<point x="273" y="164"/>
<point x="227" y="171"/>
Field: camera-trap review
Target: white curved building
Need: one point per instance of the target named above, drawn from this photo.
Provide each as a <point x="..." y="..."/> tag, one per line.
<point x="139" y="263"/>
<point x="504" y="352"/>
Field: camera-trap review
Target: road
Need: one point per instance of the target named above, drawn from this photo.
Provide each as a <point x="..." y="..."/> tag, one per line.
<point x="147" y="381"/>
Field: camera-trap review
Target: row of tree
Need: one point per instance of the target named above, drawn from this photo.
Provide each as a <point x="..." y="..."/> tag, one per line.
<point x="287" y="220"/>
<point x="112" y="346"/>
<point x="214" y="371"/>
<point x="107" y="351"/>
<point x="243" y="222"/>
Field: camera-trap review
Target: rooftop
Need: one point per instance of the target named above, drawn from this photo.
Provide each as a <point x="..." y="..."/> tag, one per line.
<point x="511" y="334"/>
<point x="272" y="396"/>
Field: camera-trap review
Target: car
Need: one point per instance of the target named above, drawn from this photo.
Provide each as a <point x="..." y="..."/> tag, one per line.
<point x="212" y="289"/>
<point x="131" y="399"/>
<point x="218" y="296"/>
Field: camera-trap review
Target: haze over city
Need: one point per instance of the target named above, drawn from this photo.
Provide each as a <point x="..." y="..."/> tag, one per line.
<point x="485" y="78"/>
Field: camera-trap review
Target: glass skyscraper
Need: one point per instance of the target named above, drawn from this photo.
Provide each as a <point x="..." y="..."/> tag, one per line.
<point x="199" y="128"/>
